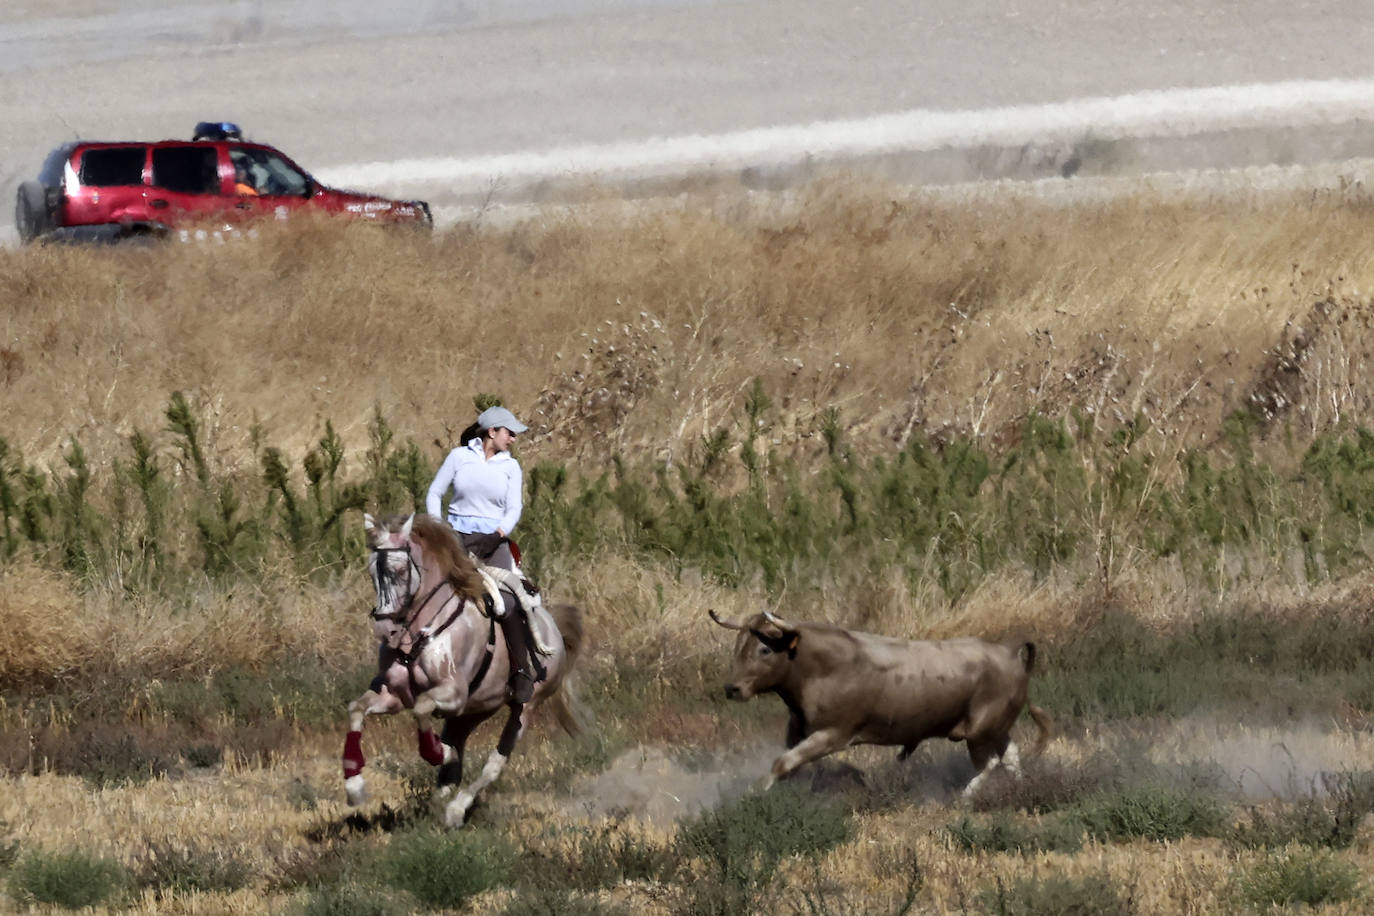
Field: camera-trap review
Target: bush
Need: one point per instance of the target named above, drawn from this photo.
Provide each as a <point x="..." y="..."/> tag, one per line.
<point x="588" y="858"/>
<point x="745" y="838"/>
<point x="9" y="848"/>
<point x="557" y="902"/>
<point x="824" y="898"/>
<point x="1059" y="895"/>
<point x="68" y="879"/>
<point x="194" y="869"/>
<point x="1001" y="834"/>
<point x="446" y="869"/>
<point x="1299" y="876"/>
<point x="1149" y="812"/>
<point x="347" y="900"/>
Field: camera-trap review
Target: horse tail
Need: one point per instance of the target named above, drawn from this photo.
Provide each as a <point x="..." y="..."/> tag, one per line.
<point x="568" y="617"/>
<point x="566" y="708"/>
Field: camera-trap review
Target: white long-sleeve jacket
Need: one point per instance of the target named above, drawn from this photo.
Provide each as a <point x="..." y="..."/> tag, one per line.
<point x="486" y="492"/>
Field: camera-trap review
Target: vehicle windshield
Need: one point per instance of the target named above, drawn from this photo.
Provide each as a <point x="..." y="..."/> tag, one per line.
<point x="266" y="172"/>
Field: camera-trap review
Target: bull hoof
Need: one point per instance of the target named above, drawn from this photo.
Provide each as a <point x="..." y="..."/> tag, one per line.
<point x="356" y="789"/>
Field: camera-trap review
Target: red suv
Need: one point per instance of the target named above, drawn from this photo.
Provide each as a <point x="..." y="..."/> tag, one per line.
<point x="111" y="191"/>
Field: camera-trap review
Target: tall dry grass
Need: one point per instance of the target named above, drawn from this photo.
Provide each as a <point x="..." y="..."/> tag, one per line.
<point x="903" y="313"/>
<point x="858" y="310"/>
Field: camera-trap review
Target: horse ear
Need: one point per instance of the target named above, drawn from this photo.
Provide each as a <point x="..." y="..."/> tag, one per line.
<point x="405" y="529"/>
<point x="369" y="523"/>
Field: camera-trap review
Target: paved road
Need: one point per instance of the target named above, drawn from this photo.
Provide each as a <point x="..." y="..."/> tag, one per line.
<point x="457" y="91"/>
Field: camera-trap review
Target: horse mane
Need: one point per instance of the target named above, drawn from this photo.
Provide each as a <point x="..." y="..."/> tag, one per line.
<point x="453" y="560"/>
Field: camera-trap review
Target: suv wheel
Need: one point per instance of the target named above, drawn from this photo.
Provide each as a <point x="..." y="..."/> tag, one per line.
<point x="31" y="214"/>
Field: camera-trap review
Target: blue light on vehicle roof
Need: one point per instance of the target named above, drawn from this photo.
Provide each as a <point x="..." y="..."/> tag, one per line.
<point x="217" y="130"/>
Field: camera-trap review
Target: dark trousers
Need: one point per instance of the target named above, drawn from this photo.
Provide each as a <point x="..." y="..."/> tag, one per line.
<point x="491" y="549"/>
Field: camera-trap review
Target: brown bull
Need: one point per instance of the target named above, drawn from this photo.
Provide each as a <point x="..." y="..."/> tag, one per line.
<point x="843" y="687"/>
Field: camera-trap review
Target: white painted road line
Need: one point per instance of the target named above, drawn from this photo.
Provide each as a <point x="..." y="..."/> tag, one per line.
<point x="1163" y="113"/>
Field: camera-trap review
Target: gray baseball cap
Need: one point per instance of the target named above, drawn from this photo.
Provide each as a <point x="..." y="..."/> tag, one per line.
<point x="498" y="417"/>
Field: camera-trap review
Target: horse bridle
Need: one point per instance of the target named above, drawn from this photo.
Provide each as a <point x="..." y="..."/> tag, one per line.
<point x="385" y="585"/>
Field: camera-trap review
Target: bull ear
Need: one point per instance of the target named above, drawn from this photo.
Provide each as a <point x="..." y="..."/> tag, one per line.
<point x="728" y="624"/>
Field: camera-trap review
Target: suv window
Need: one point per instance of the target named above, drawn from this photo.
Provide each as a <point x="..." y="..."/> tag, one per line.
<point x="267" y="172"/>
<point x="104" y="168"/>
<point x="186" y="169"/>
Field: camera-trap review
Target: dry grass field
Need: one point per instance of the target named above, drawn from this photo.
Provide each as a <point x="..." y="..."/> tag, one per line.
<point x="172" y="742"/>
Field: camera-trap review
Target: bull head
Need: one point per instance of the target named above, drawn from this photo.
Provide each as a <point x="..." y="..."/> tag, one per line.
<point x="763" y="649"/>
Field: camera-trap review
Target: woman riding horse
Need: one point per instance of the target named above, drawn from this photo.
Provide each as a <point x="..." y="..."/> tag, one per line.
<point x="487" y="503"/>
<point x="439" y="655"/>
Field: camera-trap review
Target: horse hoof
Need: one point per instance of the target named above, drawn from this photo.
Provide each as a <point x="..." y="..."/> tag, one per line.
<point x="456" y="812"/>
<point x="356" y="790"/>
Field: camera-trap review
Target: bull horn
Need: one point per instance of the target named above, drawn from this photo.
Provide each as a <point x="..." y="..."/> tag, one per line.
<point x="777" y="621"/>
<point x="728" y="624"/>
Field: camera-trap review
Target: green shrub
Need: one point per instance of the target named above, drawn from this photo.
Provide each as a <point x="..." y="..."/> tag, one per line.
<point x="202" y="755"/>
<point x="824" y="898"/>
<point x="1299" y="876"/>
<point x="445" y="869"/>
<point x="588" y="858"/>
<point x="1059" y="895"/>
<point x="106" y="757"/>
<point x="550" y="901"/>
<point x="347" y="900"/>
<point x="1066" y="492"/>
<point x="70" y="879"/>
<point x="9" y="847"/>
<point x="165" y="867"/>
<point x="1002" y="834"/>
<point x="745" y="838"/>
<point x="1151" y="812"/>
<point x="718" y="895"/>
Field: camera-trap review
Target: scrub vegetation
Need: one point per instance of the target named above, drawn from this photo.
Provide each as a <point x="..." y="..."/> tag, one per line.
<point x="1137" y="431"/>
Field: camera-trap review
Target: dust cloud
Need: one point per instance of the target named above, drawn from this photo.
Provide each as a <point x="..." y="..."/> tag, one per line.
<point x="1251" y="763"/>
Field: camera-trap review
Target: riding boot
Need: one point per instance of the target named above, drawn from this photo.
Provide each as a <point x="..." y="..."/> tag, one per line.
<point x="521" y="687"/>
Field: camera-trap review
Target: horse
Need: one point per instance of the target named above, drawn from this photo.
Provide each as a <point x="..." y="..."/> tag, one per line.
<point x="440" y="656"/>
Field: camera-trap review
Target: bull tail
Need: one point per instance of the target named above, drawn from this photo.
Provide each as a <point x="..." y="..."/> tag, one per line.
<point x="1043" y="723"/>
<point x="1042" y="719"/>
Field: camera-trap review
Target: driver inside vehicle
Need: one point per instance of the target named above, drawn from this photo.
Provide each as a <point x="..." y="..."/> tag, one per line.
<point x="243" y="177"/>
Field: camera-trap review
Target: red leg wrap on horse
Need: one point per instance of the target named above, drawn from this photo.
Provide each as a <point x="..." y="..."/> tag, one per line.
<point x="430" y="748"/>
<point x="353" y="759"/>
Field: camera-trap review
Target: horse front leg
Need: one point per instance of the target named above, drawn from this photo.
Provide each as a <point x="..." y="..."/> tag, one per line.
<point x="457" y="811"/>
<point x="444" y="700"/>
<point x="376" y="701"/>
